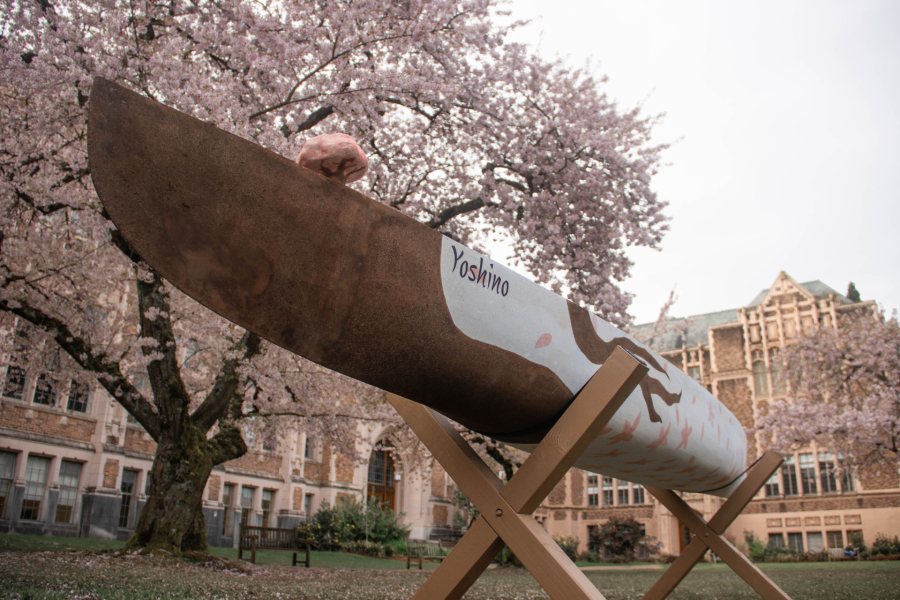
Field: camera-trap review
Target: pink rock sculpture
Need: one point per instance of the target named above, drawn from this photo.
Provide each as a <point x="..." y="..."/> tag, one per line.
<point x="334" y="155"/>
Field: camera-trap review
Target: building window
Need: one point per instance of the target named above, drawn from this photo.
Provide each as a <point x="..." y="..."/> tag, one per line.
<point x="7" y="469"/>
<point x="855" y="538"/>
<point x="795" y="542"/>
<point x="129" y="481"/>
<point x="78" y="397"/>
<point x="14" y="386"/>
<point x="623" y="493"/>
<point x="228" y="505"/>
<point x="776" y="540"/>
<point x="69" y="475"/>
<point x="814" y="541"/>
<point x="43" y="392"/>
<point x="607" y="491"/>
<point x="778" y="384"/>
<point x="834" y="539"/>
<point x="694" y="373"/>
<point x="593" y="498"/>
<point x="592" y="532"/>
<point x="268" y="503"/>
<point x="148" y="484"/>
<point x="826" y="473"/>
<point x="309" y="449"/>
<point x="772" y="486"/>
<point x="789" y="479"/>
<point x="36" y="469"/>
<point x="247" y="494"/>
<point x="848" y="481"/>
<point x="307" y="505"/>
<point x="381" y="470"/>
<point x="759" y="378"/>
<point x="638" y="493"/>
<point x="808" y="473"/>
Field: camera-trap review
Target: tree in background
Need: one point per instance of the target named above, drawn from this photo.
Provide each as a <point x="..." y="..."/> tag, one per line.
<point x="853" y="293"/>
<point x="845" y="392"/>
<point x="621" y="536"/>
<point x="466" y="133"/>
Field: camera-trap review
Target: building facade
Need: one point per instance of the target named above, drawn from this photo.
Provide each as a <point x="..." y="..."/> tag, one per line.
<point x="734" y="353"/>
<point x="73" y="463"/>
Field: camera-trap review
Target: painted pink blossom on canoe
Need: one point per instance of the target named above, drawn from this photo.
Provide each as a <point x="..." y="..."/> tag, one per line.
<point x="543" y="341"/>
<point x="663" y="439"/>
<point x="627" y="431"/>
<point x="685" y="434"/>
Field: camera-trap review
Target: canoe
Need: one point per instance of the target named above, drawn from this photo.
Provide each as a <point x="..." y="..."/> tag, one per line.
<point x="360" y="288"/>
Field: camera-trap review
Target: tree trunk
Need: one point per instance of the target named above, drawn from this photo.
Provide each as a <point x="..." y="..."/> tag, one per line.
<point x="172" y="519"/>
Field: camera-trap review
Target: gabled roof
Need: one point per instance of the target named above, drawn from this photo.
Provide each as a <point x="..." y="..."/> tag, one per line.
<point x="694" y="331"/>
<point x="690" y="330"/>
<point x="816" y="288"/>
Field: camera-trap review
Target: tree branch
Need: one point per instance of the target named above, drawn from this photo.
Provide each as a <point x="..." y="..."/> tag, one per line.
<point x="314" y="118"/>
<point x="169" y="391"/>
<point x="454" y="211"/>
<point x="227" y="444"/>
<point x="217" y="401"/>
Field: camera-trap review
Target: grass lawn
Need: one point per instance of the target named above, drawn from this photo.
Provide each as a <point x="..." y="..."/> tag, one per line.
<point x="39" y="568"/>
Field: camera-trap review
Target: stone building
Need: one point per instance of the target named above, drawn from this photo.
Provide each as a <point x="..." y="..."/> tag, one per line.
<point x="73" y="462"/>
<point x="732" y="353"/>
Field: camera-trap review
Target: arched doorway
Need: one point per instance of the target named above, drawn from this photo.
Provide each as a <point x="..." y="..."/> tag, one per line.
<point x="381" y="477"/>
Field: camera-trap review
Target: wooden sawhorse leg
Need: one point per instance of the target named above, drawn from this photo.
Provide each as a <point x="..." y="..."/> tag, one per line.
<point x="506" y="510"/>
<point x="709" y="535"/>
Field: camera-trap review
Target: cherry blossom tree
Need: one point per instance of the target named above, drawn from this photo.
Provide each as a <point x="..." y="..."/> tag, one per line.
<point x="469" y="134"/>
<point x="845" y="392"/>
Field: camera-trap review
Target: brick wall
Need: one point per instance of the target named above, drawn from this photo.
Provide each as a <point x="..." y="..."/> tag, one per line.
<point x="258" y="461"/>
<point x="438" y="487"/>
<point x="297" y="501"/>
<point x="729" y="345"/>
<point x="343" y="469"/>
<point x="823" y="503"/>
<point x="319" y="471"/>
<point x="644" y="512"/>
<point x="576" y="477"/>
<point x="440" y="514"/>
<point x="214" y="484"/>
<point x="735" y="394"/>
<point x="110" y="473"/>
<point x="887" y="479"/>
<point x="558" y="495"/>
<point x="37" y="420"/>
<point x="134" y="440"/>
<point x="675" y="359"/>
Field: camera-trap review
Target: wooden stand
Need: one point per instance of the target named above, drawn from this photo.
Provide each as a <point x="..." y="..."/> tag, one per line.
<point x="709" y="535"/>
<point x="506" y="510"/>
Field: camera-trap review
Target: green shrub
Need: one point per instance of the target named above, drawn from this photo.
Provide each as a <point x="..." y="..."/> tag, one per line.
<point x="344" y="525"/>
<point x="886" y="546"/>
<point x="395" y="547"/>
<point x="591" y="556"/>
<point x="569" y="545"/>
<point x="622" y="537"/>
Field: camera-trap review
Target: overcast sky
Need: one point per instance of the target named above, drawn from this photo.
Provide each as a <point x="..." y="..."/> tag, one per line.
<point x="787" y="137"/>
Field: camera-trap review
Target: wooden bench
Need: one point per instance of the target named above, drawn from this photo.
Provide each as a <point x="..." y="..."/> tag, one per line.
<point x="838" y="554"/>
<point x="271" y="539"/>
<point x="424" y="550"/>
